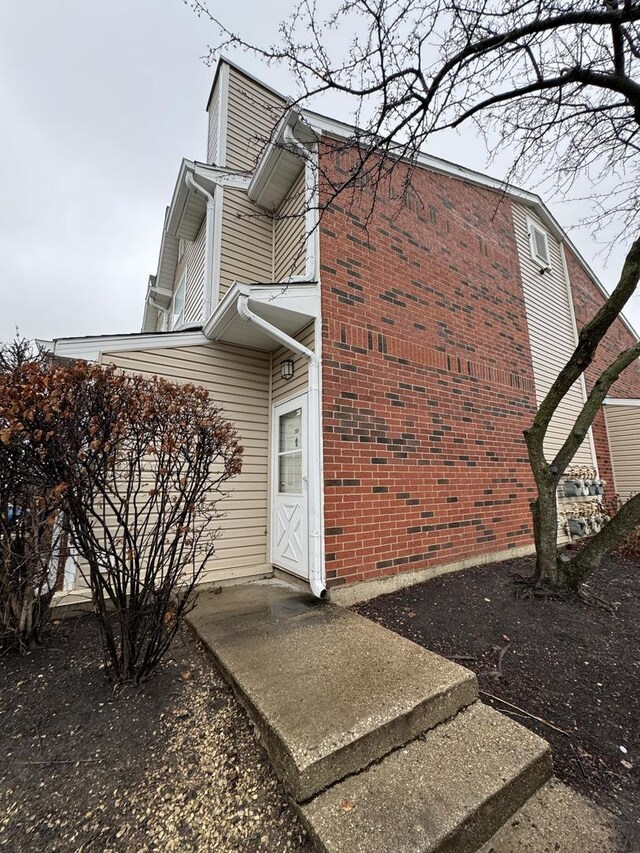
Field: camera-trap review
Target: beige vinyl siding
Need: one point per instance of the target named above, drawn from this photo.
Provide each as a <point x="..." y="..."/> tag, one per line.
<point x="552" y="340"/>
<point x="623" y="430"/>
<point x="246" y="246"/>
<point x="290" y="233"/>
<point x="281" y="388"/>
<point x="253" y="113"/>
<point x="551" y="333"/>
<point x="214" y="126"/>
<point x="238" y="379"/>
<point x="194" y="295"/>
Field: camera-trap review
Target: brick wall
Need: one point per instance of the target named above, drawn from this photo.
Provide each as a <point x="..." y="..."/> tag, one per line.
<point x="427" y="380"/>
<point x="587" y="299"/>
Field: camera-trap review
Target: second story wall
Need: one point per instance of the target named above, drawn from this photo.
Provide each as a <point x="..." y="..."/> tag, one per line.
<point x="427" y="381"/>
<point x="282" y="389"/>
<point x="289" y="233"/>
<point x="194" y="294"/>
<point x="246" y="246"/>
<point x="552" y="330"/>
<point x="253" y="111"/>
<point x="250" y="244"/>
<point x="255" y="246"/>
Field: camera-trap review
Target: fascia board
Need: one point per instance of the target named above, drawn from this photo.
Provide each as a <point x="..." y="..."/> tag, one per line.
<point x="179" y="197"/>
<point x="222" y="177"/>
<point x="272" y="155"/>
<point x="614" y="401"/>
<point x="225" y="310"/>
<point x="92" y="347"/>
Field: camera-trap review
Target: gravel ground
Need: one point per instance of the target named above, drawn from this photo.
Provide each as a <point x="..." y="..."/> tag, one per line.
<point x="173" y="765"/>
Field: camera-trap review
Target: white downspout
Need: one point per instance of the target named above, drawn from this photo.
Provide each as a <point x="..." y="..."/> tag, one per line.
<point x="316" y="579"/>
<point x="209" y="284"/>
<point x="310" y="217"/>
<point x="159" y="308"/>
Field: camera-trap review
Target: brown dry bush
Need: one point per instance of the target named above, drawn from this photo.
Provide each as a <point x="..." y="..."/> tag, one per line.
<point x="29" y="506"/>
<point x="138" y="466"/>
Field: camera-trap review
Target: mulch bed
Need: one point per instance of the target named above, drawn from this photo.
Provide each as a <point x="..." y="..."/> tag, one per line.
<point x="577" y="667"/>
<point x="171" y="765"/>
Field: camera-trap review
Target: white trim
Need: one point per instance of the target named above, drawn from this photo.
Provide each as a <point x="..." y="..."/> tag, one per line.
<point x="532" y="229"/>
<point x="270" y="158"/>
<point x="606" y="430"/>
<point x="284" y="147"/>
<point x="223" y="107"/>
<point x="615" y="401"/>
<point x="176" y="319"/>
<point x="299" y="400"/>
<point x="91" y="348"/>
<point x="316" y="554"/>
<point x="221" y="175"/>
<point x="322" y="124"/>
<point x="317" y="338"/>
<point x="216" y="249"/>
<point x="299" y="299"/>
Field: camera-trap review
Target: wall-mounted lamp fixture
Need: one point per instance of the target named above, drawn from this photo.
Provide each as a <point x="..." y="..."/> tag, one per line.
<point x="286" y="369"/>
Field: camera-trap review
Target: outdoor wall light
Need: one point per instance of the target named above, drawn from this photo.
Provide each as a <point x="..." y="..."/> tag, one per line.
<point x="286" y="369"/>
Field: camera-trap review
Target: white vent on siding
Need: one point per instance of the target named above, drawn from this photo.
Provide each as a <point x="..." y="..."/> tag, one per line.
<point x="539" y="246"/>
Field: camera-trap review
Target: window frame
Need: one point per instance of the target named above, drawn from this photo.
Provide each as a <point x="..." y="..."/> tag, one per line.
<point x="535" y="229"/>
<point x="177" y="318"/>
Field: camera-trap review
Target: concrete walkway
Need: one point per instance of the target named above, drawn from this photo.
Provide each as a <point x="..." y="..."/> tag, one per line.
<point x="381" y="744"/>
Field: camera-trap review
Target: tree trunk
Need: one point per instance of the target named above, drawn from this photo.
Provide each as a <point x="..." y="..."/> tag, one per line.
<point x="545" y="533"/>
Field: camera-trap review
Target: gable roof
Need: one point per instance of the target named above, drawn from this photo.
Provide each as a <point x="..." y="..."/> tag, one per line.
<point x="224" y="60"/>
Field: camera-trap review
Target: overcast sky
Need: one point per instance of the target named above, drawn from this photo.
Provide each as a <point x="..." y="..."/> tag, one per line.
<point x="99" y="103"/>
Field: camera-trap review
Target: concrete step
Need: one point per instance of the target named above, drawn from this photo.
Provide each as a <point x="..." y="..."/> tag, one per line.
<point x="329" y="691"/>
<point x="558" y="820"/>
<point x="447" y="791"/>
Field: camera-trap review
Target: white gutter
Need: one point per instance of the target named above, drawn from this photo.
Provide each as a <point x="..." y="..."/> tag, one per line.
<point x="618" y="401"/>
<point x="209" y="296"/>
<point x="316" y="578"/>
<point x="311" y="217"/>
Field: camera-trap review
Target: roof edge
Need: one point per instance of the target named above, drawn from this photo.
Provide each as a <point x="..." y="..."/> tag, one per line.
<point x="91" y="347"/>
<point x="620" y="401"/>
<point x="224" y="60"/>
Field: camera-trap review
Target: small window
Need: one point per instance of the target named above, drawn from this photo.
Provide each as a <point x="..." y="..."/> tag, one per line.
<point x="177" y="306"/>
<point x="539" y="245"/>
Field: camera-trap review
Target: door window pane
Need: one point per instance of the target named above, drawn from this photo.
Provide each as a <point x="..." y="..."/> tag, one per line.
<point x="290" y="431"/>
<point x="290" y="473"/>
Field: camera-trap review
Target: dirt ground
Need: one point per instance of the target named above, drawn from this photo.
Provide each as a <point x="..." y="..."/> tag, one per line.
<point x="172" y="765"/>
<point x="575" y="667"/>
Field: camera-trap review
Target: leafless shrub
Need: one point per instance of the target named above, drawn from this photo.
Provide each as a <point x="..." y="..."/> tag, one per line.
<point x="137" y="466"/>
<point x="29" y="506"/>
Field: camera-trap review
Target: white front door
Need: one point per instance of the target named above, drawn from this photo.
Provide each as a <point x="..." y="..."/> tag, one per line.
<point x="289" y="516"/>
